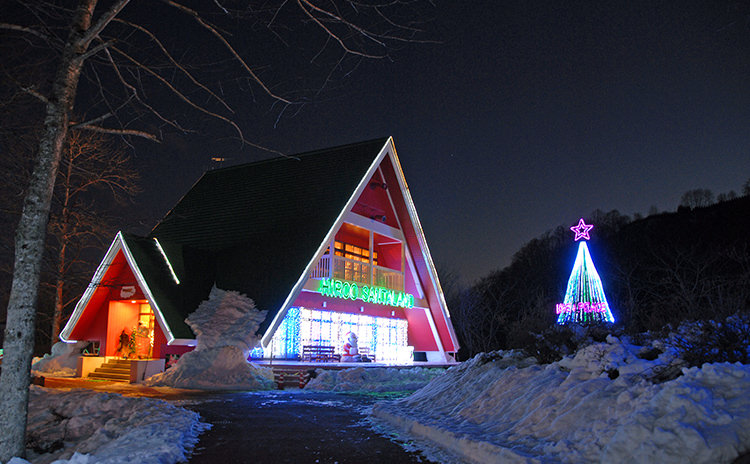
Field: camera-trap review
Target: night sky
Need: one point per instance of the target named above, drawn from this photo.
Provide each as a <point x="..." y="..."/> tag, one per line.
<point x="526" y="116"/>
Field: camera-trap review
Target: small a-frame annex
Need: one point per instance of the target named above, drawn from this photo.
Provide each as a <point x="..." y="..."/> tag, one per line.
<point x="326" y="241"/>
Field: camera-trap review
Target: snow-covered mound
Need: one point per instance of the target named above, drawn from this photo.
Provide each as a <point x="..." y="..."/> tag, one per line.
<point x="373" y="379"/>
<point x="62" y="361"/>
<point x="600" y="405"/>
<point x="82" y="426"/>
<point x="227" y="318"/>
<point x="225" y="326"/>
<point x="224" y="368"/>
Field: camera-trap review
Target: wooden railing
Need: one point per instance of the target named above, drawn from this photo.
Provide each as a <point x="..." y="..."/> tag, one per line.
<point x="322" y="270"/>
<point x="388" y="278"/>
<point x="357" y="271"/>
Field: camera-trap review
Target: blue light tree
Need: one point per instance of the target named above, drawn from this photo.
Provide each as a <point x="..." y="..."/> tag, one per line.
<point x="584" y="301"/>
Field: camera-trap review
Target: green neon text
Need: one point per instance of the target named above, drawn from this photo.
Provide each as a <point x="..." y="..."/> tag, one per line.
<point x="366" y="293"/>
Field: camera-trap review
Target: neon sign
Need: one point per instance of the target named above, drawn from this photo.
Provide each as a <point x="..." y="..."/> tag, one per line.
<point x="582" y="230"/>
<point x="368" y="294"/>
<point x="584" y="298"/>
<point x="583" y="306"/>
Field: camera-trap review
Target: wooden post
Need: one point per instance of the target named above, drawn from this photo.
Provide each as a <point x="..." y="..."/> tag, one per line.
<point x="372" y="252"/>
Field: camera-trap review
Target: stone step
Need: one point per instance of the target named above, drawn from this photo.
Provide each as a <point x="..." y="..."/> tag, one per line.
<point x="116" y="365"/>
<point x="107" y="376"/>
<point x="112" y="370"/>
<point x="121" y="362"/>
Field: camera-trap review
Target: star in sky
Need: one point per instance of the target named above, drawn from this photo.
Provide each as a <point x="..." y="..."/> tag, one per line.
<point x="582" y="230"/>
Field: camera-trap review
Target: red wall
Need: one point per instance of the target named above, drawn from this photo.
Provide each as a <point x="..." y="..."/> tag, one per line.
<point x="160" y="341"/>
<point x="420" y="333"/>
<point x="422" y="267"/>
<point x="374" y="202"/>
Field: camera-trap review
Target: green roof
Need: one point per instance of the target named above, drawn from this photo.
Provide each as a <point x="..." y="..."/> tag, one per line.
<point x="252" y="228"/>
<point x="173" y="300"/>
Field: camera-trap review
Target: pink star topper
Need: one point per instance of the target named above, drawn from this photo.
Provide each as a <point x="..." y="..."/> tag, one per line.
<point x="582" y="230"/>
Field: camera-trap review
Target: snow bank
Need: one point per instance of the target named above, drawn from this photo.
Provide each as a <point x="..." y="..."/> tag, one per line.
<point x="82" y="427"/>
<point x="224" y="368"/>
<point x="373" y="379"/>
<point x="599" y="405"/>
<point x="61" y="362"/>
<point x="225" y="327"/>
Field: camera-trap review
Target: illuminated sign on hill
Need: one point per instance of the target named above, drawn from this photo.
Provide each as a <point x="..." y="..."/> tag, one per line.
<point x="366" y="293"/>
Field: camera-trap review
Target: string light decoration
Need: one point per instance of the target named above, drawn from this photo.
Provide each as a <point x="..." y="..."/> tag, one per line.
<point x="584" y="302"/>
<point x="385" y="337"/>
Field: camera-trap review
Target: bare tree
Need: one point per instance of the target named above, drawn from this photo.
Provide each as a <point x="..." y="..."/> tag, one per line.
<point x="95" y="176"/>
<point x="117" y="54"/>
<point x="697" y="198"/>
<point x="93" y="170"/>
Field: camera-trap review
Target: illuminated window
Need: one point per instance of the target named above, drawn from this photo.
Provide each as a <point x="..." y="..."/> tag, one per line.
<point x="384" y="336"/>
<point x="353" y="252"/>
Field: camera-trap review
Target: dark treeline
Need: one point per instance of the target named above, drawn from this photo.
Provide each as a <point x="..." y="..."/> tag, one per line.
<point x="663" y="269"/>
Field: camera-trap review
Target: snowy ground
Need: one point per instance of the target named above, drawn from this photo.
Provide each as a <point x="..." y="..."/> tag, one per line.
<point x="603" y="404"/>
<point x="86" y="427"/>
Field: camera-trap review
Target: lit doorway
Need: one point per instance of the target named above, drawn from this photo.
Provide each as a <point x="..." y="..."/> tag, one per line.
<point x="144" y="332"/>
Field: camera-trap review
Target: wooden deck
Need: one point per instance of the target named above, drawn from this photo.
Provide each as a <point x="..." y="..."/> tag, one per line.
<point x="296" y="374"/>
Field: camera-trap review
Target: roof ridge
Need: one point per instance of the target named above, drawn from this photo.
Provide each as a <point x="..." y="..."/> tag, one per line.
<point x="297" y="155"/>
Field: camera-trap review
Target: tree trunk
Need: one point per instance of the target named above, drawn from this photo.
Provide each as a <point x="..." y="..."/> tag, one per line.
<point x="29" y="242"/>
<point x="61" y="265"/>
<point x="57" y="315"/>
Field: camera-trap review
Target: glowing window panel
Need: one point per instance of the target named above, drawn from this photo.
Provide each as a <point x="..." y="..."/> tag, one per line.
<point x="385" y="337"/>
<point x="367" y="293"/>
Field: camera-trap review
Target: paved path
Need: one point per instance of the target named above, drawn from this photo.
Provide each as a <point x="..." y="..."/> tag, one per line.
<point x="291" y="427"/>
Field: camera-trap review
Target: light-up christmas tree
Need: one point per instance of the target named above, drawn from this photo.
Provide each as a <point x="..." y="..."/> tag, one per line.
<point x="584" y="302"/>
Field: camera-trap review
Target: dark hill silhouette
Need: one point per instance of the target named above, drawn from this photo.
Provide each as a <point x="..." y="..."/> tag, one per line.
<point x="662" y="269"/>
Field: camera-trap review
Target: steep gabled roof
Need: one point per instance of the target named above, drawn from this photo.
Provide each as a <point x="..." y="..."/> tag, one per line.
<point x="155" y="275"/>
<point x="164" y="268"/>
<point x="265" y="221"/>
<point x="227" y="206"/>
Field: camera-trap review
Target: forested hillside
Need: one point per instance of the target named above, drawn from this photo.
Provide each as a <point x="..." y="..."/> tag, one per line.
<point x="663" y="269"/>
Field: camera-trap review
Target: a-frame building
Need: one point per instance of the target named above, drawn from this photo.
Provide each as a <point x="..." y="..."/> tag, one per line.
<point x="327" y="241"/>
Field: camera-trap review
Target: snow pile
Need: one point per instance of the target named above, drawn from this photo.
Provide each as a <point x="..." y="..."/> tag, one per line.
<point x="373" y="379"/>
<point x="223" y="368"/>
<point x="81" y="426"/>
<point x="225" y="327"/>
<point x="62" y="361"/>
<point x="601" y="405"/>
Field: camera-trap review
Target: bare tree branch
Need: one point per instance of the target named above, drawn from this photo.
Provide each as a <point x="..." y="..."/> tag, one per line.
<point x="103" y="22"/>
<point x="134" y="94"/>
<point x="35" y="94"/>
<point x="180" y="94"/>
<point x="228" y="46"/>
<point x="330" y="33"/>
<point x="175" y="63"/>
<point x="94" y="51"/>
<point x="28" y="30"/>
<point x="106" y="130"/>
